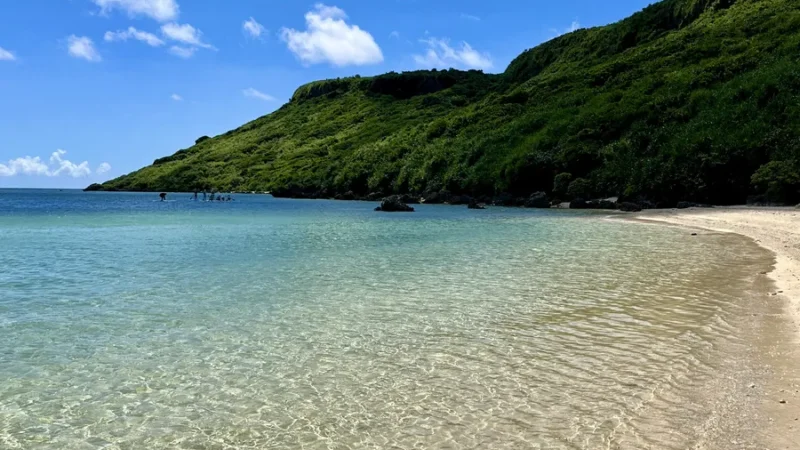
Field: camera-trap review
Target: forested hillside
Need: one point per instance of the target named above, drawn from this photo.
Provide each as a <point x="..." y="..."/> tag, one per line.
<point x="686" y="100"/>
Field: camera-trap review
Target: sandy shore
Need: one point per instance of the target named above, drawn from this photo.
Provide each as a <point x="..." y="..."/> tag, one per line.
<point x="777" y="230"/>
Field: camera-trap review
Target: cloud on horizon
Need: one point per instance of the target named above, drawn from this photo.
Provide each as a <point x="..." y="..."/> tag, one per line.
<point x="441" y="55"/>
<point x="329" y="38"/>
<point x="255" y="93"/>
<point x="574" y="26"/>
<point x="57" y="166"/>
<point x="103" y="168"/>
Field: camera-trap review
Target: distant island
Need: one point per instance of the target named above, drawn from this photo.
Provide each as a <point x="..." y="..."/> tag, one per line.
<point x="687" y="100"/>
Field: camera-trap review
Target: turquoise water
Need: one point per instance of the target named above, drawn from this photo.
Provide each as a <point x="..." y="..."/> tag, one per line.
<point x="265" y="323"/>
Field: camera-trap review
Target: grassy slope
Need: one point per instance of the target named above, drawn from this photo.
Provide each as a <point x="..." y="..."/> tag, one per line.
<point x="684" y="100"/>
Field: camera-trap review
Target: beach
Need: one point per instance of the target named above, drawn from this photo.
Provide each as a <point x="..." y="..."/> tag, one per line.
<point x="777" y="230"/>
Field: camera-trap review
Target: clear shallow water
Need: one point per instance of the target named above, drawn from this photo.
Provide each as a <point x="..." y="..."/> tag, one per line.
<point x="262" y="323"/>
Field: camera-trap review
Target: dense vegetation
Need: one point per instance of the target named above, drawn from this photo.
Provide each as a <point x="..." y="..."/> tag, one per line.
<point x="686" y="100"/>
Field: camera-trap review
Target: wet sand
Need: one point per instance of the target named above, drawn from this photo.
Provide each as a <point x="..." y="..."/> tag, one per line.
<point x="777" y="230"/>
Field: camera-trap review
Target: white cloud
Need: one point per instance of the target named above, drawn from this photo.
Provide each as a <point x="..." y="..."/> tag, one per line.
<point x="25" y="165"/>
<point x="394" y="34"/>
<point x="58" y="166"/>
<point x="254" y="93"/>
<point x="160" y="10"/>
<point x="83" y="47"/>
<point x="182" y="52"/>
<point x="185" y="34"/>
<point x="132" y="33"/>
<point x="67" y="167"/>
<point x="441" y="55"/>
<point x="253" y="28"/>
<point x="176" y="97"/>
<point x="6" y="55"/>
<point x="466" y="16"/>
<point x="574" y="26"/>
<point x="103" y="168"/>
<point x="329" y="38"/>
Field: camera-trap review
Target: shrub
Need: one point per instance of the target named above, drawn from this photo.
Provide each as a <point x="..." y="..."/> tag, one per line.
<point x="561" y="184"/>
<point x="779" y="180"/>
<point x="580" y="188"/>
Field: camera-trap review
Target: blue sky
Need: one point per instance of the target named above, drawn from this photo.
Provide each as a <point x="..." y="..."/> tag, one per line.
<point x="93" y="89"/>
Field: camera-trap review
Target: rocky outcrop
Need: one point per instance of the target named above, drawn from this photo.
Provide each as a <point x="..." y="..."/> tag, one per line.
<point x="394" y="204"/>
<point x="538" y="200"/>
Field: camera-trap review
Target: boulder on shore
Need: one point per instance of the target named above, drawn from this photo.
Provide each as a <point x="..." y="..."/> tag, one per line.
<point x="578" y="203"/>
<point x="394" y="204"/>
<point x="538" y="200"/>
<point x="605" y="203"/>
<point x="629" y="207"/>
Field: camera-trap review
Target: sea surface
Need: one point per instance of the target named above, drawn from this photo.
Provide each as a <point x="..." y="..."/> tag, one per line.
<point x="130" y="323"/>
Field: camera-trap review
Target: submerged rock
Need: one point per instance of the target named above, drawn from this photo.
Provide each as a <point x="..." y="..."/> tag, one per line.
<point x="394" y="204"/>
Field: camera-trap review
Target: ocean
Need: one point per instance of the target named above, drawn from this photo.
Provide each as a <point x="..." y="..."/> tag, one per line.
<point x="129" y="323"/>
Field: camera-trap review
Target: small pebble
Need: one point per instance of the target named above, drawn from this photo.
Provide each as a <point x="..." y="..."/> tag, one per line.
<point x="752" y="385"/>
<point x="694" y="234"/>
<point x="783" y="402"/>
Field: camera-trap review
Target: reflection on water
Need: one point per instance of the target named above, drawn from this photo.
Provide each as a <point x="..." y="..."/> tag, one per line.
<point x="282" y="324"/>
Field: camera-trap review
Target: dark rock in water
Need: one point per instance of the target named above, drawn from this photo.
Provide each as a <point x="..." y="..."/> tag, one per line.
<point x="578" y="203"/>
<point x="629" y="207"/>
<point x="475" y="205"/>
<point x="349" y="195"/>
<point x="394" y="204"/>
<point x="538" y="200"/>
<point x="373" y="196"/>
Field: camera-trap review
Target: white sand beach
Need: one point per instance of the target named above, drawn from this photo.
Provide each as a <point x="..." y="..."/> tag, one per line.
<point x="777" y="230"/>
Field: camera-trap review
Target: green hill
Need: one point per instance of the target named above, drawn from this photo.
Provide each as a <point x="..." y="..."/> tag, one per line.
<point x="686" y="100"/>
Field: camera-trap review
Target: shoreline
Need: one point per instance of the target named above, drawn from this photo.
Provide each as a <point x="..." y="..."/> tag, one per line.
<point x="778" y="231"/>
<point x="775" y="229"/>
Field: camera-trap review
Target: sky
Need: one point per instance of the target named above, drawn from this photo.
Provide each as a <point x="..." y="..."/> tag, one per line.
<point x="94" y="89"/>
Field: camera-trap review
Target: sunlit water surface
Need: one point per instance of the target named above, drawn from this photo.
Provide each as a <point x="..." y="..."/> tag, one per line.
<point x="261" y="323"/>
